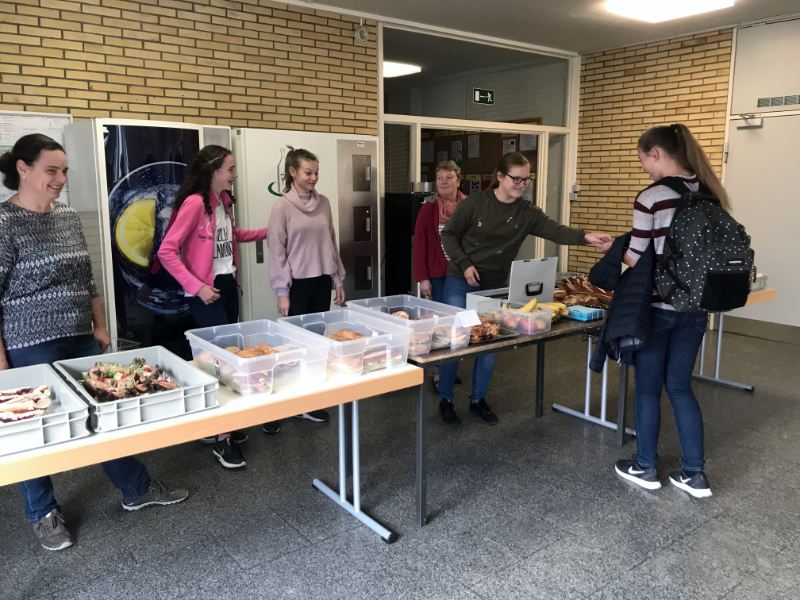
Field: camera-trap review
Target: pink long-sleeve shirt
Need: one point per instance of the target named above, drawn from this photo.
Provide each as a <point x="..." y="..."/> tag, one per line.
<point x="187" y="251"/>
<point x="302" y="241"/>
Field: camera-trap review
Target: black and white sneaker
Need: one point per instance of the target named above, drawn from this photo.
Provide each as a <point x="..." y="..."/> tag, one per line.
<point x="646" y="477"/>
<point x="238" y="437"/>
<point x="318" y="416"/>
<point x="271" y="428"/>
<point x="229" y="454"/>
<point x="695" y="483"/>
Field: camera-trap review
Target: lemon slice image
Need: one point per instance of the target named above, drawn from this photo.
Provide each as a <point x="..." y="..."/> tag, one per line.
<point x="135" y="230"/>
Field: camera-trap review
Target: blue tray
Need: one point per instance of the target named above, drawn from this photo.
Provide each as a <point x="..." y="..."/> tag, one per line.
<point x="583" y="313"/>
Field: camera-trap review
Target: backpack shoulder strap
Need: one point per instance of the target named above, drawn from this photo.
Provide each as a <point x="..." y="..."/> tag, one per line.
<point x="676" y="184"/>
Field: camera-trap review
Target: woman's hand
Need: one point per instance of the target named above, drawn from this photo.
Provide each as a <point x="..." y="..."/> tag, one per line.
<point x="283" y="305"/>
<point x="103" y="338"/>
<point x="601" y="241"/>
<point x="472" y="277"/>
<point x="208" y="294"/>
<point x="3" y="362"/>
<point x="339" y="299"/>
<point x="425" y="288"/>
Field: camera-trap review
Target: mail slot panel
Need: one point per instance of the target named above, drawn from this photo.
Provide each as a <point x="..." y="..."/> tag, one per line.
<point x="363" y="273"/>
<point x="362" y="223"/>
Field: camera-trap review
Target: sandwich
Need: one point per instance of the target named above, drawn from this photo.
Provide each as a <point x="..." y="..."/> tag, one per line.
<point x="419" y="343"/>
<point x="251" y="383"/>
<point x="344" y="365"/>
<point x="23" y="403"/>
<point x="402" y="314"/>
<point x="380" y="357"/>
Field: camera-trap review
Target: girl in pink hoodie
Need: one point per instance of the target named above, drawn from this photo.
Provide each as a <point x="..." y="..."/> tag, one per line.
<point x="304" y="261"/>
<point x="200" y="252"/>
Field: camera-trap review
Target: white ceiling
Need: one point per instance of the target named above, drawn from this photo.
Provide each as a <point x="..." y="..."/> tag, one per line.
<point x="574" y="25"/>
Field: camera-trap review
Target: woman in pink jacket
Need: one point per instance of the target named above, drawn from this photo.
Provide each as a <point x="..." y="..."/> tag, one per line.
<point x="200" y="252"/>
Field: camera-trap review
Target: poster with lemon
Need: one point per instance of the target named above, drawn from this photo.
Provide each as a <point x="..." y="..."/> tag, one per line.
<point x="145" y="166"/>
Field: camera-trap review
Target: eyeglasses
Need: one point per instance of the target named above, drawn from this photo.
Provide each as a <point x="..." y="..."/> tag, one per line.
<point x="518" y="180"/>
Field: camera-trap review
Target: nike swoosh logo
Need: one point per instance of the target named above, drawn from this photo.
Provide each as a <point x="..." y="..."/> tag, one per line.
<point x="633" y="471"/>
<point x="685" y="480"/>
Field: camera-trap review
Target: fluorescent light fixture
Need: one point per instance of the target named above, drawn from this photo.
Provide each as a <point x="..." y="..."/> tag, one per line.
<point x="655" y="11"/>
<point x="393" y="69"/>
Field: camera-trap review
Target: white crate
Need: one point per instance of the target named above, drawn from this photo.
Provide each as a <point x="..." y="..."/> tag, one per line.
<point x="197" y="391"/>
<point x="432" y="324"/>
<point x="66" y="418"/>
<point x="301" y="356"/>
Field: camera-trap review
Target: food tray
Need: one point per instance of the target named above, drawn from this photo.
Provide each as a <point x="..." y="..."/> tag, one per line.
<point x="385" y="344"/>
<point x="198" y="390"/>
<point x="505" y="334"/>
<point x="432" y="324"/>
<point x="530" y="323"/>
<point x="584" y="313"/>
<point x="301" y="356"/>
<point x="66" y="417"/>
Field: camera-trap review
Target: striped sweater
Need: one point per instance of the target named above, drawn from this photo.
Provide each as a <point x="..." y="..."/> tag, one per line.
<point x="653" y="210"/>
<point x="46" y="283"/>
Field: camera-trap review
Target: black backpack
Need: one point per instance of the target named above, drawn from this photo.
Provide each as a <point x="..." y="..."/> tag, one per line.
<point x="707" y="261"/>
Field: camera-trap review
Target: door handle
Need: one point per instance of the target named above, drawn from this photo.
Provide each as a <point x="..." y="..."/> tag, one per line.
<point x="369" y="273"/>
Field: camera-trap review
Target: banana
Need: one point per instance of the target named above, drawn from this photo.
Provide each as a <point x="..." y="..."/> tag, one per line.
<point x="530" y="306"/>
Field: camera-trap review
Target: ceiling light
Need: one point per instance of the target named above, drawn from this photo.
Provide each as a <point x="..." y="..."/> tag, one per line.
<point x="393" y="69"/>
<point x="655" y="11"/>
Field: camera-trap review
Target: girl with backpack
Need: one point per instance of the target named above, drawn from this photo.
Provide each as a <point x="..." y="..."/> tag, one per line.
<point x="670" y="349"/>
<point x="199" y="250"/>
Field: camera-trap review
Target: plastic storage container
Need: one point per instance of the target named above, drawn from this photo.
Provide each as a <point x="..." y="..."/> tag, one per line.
<point x="66" y="418"/>
<point x="384" y="345"/>
<point x="529" y="323"/>
<point x="759" y="282"/>
<point x="584" y="313"/>
<point x="197" y="391"/>
<point x="432" y="324"/>
<point x="301" y="355"/>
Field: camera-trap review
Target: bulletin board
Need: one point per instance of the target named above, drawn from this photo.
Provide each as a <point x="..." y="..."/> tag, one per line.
<point x="476" y="153"/>
<point x="15" y="124"/>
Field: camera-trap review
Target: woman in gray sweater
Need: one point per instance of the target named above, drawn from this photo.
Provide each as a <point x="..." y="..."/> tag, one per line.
<point x="50" y="310"/>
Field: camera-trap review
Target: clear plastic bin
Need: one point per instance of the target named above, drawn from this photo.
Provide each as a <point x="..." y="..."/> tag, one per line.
<point x="301" y="356"/>
<point x="384" y="345"/>
<point x="65" y="419"/>
<point x="529" y="323"/>
<point x="432" y="324"/>
<point x="197" y="391"/>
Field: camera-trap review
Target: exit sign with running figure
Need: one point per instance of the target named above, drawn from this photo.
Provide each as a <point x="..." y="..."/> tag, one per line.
<point x="480" y="96"/>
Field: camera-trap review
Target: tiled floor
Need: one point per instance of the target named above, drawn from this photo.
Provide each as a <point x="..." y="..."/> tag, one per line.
<point x="527" y="509"/>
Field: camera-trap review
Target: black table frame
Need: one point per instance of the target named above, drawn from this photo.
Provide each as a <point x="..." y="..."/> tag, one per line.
<point x="438" y="357"/>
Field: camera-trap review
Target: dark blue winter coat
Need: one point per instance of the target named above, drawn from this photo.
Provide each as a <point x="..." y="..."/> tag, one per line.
<point x="627" y="320"/>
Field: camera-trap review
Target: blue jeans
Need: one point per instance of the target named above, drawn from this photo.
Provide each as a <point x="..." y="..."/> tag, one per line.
<point x="437" y="289"/>
<point x="437" y="295"/>
<point x="128" y="474"/>
<point x="667" y="360"/>
<point x="224" y="310"/>
<point x="455" y="294"/>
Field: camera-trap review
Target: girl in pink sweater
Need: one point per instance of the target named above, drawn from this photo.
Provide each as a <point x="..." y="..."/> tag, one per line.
<point x="304" y="261"/>
<point x="200" y="252"/>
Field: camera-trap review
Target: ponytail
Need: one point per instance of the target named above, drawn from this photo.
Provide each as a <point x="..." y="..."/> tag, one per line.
<point x="509" y="161"/>
<point x="679" y="143"/>
<point x="293" y="160"/>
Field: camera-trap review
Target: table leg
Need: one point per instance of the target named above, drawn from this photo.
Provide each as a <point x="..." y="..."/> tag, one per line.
<point x="346" y="417"/>
<point x="539" y="408"/>
<point x="716" y="378"/>
<point x="340" y="497"/>
<point x="622" y="405"/>
<point x="422" y="450"/>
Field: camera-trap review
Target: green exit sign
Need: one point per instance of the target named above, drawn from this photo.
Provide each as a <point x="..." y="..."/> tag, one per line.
<point x="480" y="96"/>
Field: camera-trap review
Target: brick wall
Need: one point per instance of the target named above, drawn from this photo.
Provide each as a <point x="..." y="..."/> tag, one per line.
<point x="250" y="63"/>
<point x="623" y="93"/>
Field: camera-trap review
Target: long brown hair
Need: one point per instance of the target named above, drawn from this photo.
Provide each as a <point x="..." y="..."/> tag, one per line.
<point x="293" y="160"/>
<point x="508" y="162"/>
<point x="679" y="143"/>
<point x="199" y="174"/>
